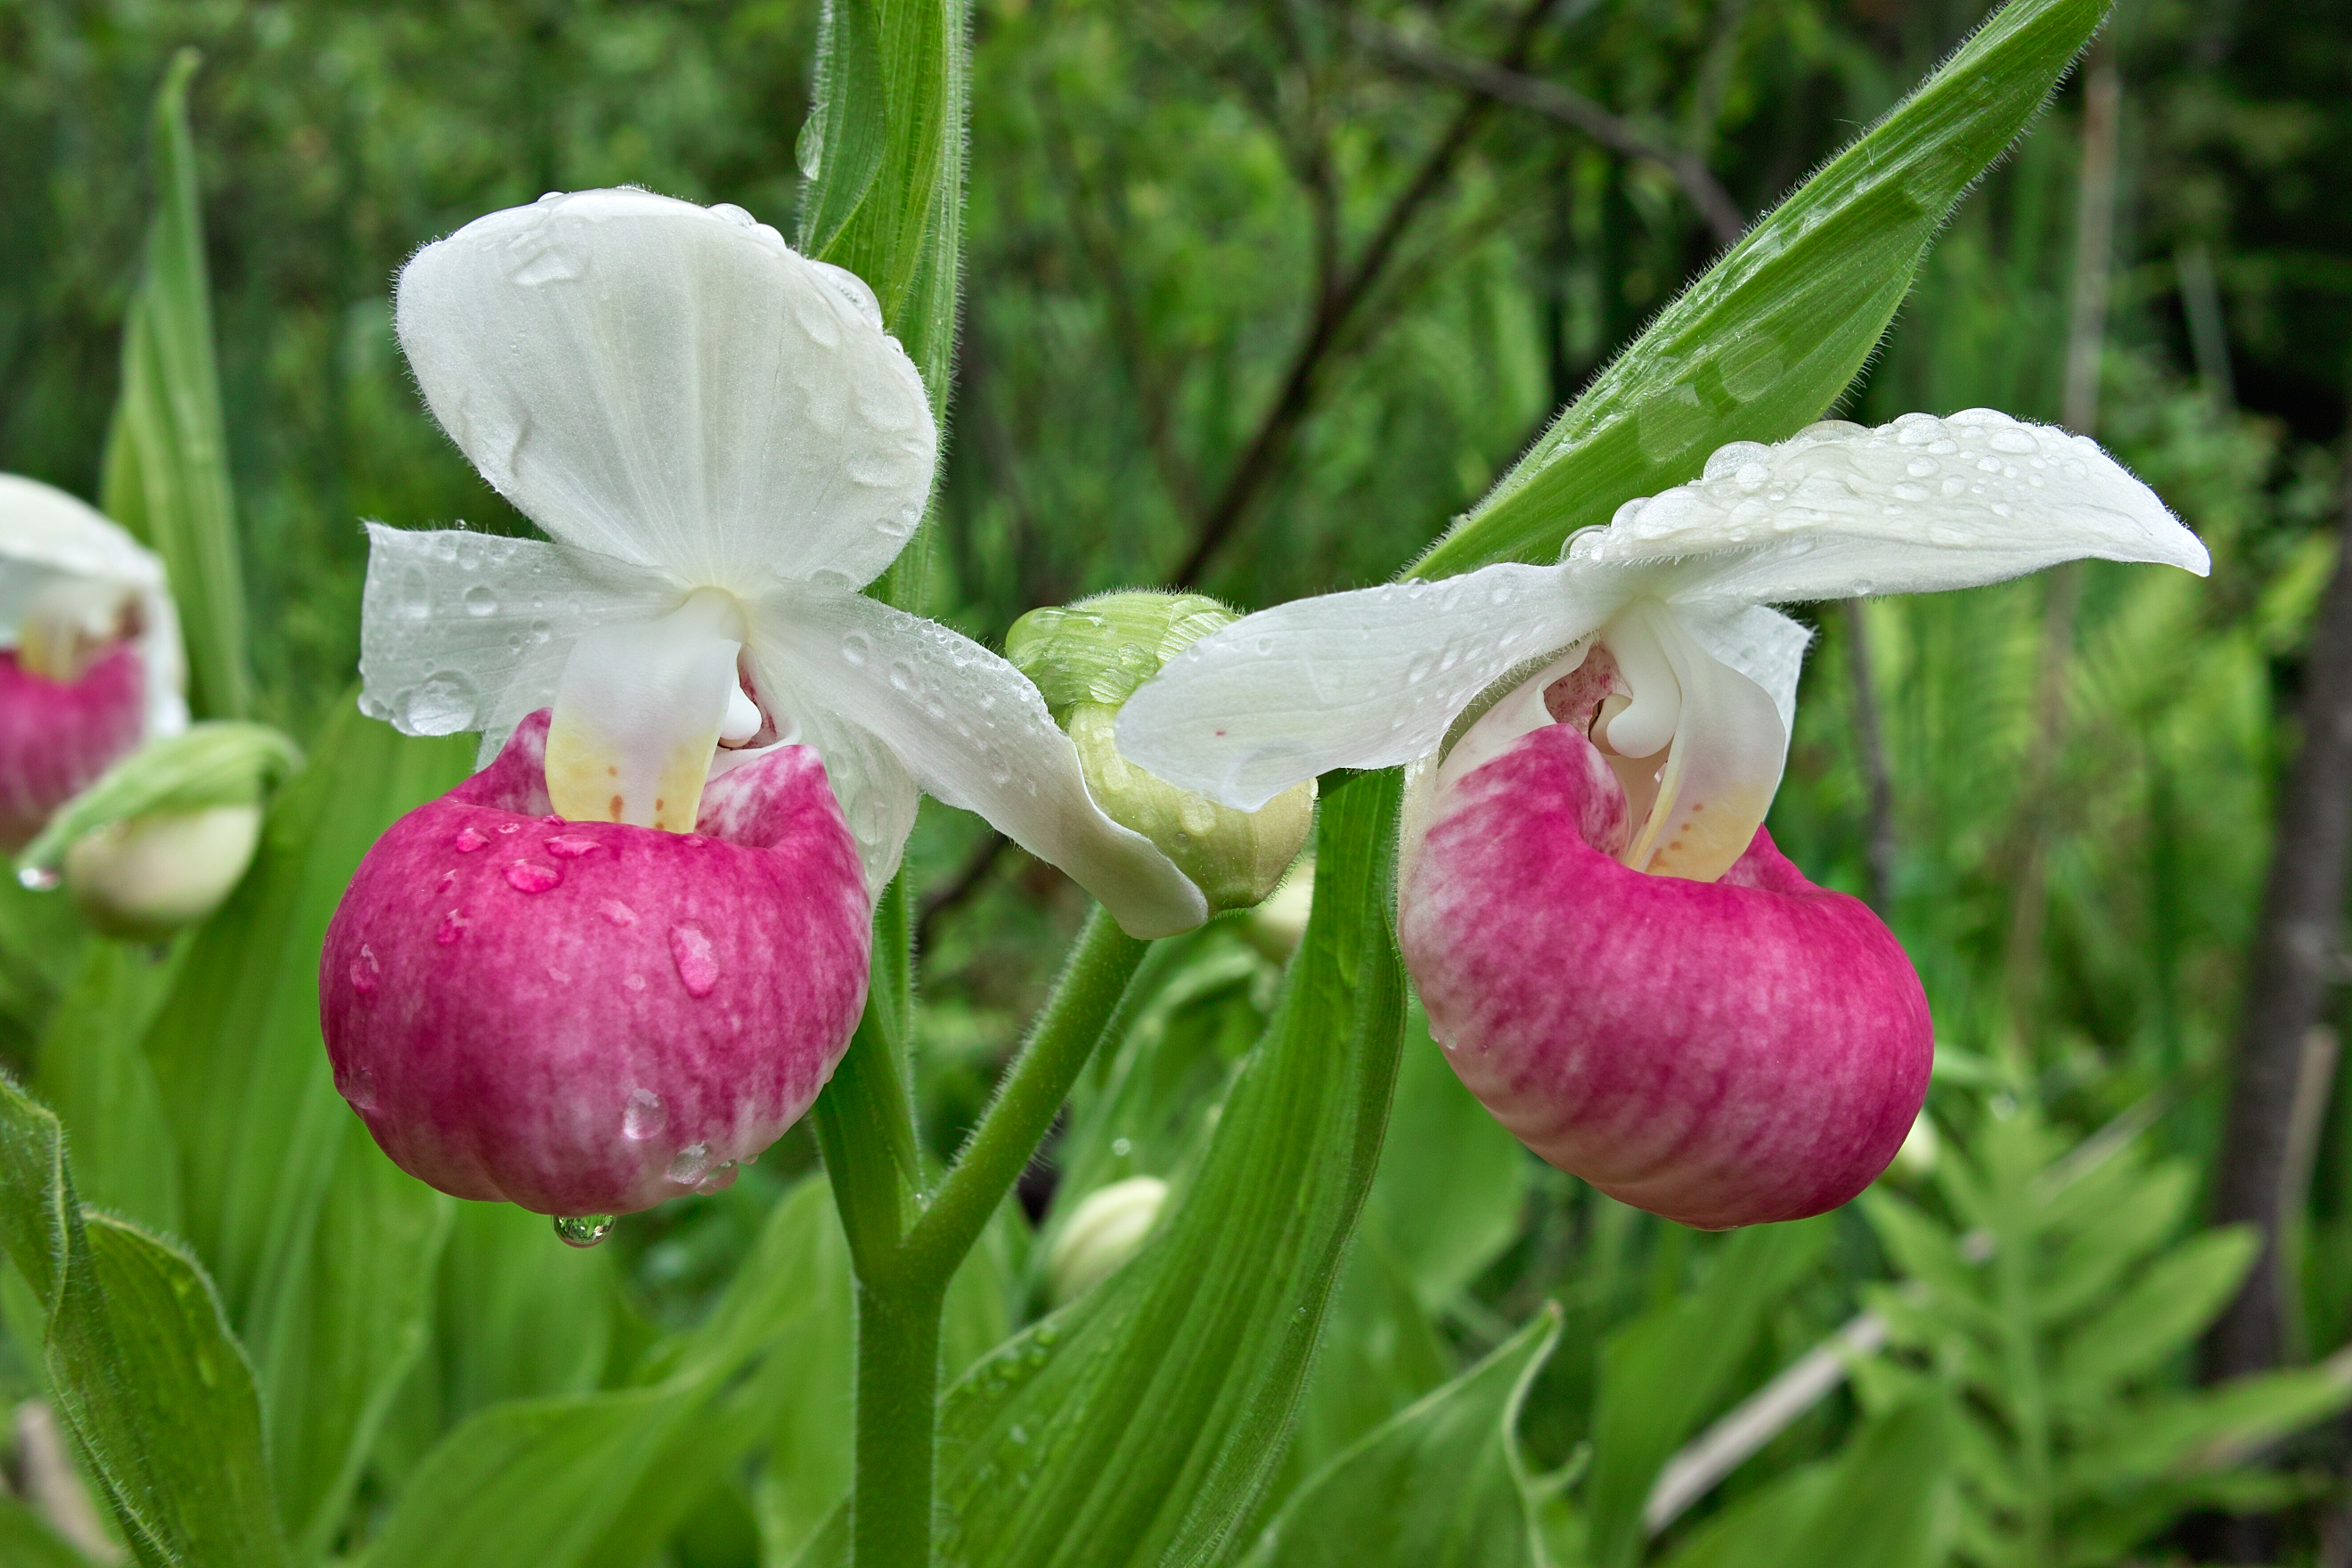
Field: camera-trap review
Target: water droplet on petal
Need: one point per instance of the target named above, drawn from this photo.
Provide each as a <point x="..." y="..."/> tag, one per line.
<point x="571" y="847"/>
<point x="469" y="841"/>
<point x="358" y="1086"/>
<point x="692" y="1163"/>
<point x="720" y="1179"/>
<point x="480" y="601"/>
<point x="619" y="913"/>
<point x="415" y="593"/>
<point x="530" y="877"/>
<point x="583" y="1230"/>
<point x="365" y="971"/>
<point x="554" y="264"/>
<point x="646" y="1116"/>
<point x="443" y="705"/>
<point x="453" y="926"/>
<point x="732" y="214"/>
<point x="697" y="965"/>
<point x="856" y="649"/>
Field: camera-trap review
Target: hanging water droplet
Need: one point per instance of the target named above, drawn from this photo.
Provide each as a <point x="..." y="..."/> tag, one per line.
<point x="583" y="1230"/>
<point x="358" y="1086"/>
<point x="646" y="1116"/>
<point x="444" y="704"/>
<point x="690" y="1165"/>
<point x="39" y="878"/>
<point x="718" y="1181"/>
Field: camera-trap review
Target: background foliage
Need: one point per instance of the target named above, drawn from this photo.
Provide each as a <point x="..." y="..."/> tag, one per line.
<point x="1258" y="295"/>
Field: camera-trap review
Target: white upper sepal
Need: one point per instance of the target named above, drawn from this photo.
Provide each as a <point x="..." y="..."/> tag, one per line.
<point x="470" y="631"/>
<point x="1922" y="504"/>
<point x="971" y="730"/>
<point x="1362" y="680"/>
<point x="46" y="535"/>
<point x="671" y="385"/>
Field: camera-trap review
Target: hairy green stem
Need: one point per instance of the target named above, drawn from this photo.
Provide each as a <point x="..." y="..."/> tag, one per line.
<point x="1084" y="999"/>
<point x="904" y="1251"/>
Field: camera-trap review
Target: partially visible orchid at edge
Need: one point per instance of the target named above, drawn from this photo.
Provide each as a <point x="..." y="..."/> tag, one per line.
<point x="1616" y="957"/>
<point x="627" y="954"/>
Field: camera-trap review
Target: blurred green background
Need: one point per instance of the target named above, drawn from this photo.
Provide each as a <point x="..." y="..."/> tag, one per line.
<point x="1260" y="296"/>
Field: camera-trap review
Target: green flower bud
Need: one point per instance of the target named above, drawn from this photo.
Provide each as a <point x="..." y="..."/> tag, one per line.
<point x="1105" y="1230"/>
<point x="1275" y="926"/>
<point x="164" y="835"/>
<point x="1915" y="1160"/>
<point x="1088" y="659"/>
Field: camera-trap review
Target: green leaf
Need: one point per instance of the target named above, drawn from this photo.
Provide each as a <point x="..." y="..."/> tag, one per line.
<point x="1666" y="1372"/>
<point x="518" y="1319"/>
<point x="94" y="1075"/>
<point x="1438" y="1485"/>
<point x="140" y="1358"/>
<point x="2164" y="1309"/>
<point x="2212" y="1429"/>
<point x="883" y="151"/>
<point x="350" y="1327"/>
<point x="167" y="477"/>
<point x="1452" y="1179"/>
<point x="1379" y="1353"/>
<point x="1883" y="1502"/>
<point x="1774" y="332"/>
<point x="1142" y="1424"/>
<point x="27" y="1541"/>
<point x="325" y="1254"/>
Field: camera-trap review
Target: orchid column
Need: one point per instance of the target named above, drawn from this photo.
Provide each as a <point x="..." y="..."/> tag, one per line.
<point x="1614" y="956"/>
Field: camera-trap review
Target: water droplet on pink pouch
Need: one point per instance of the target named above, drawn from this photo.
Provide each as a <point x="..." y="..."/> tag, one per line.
<point x="718" y="1181"/>
<point x="698" y="965"/>
<point x="646" y="1116"/>
<point x="358" y="1086"/>
<point x="691" y="1165"/>
<point x="571" y="847"/>
<point x="634" y="981"/>
<point x="469" y="841"/>
<point x="530" y="877"/>
<point x="453" y="926"/>
<point x="364" y="970"/>
<point x="509" y="828"/>
<point x="619" y="913"/>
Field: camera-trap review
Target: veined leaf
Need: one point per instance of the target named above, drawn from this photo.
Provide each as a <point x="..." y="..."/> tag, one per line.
<point x="1771" y="334"/>
<point x="148" y="1379"/>
<point x="167" y="477"/>
<point x="94" y="1075"/>
<point x="2161" y="1311"/>
<point x="1436" y="1485"/>
<point x="1142" y="1424"/>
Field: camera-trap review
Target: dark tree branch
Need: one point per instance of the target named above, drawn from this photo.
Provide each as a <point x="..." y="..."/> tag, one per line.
<point x="1335" y="308"/>
<point x="1878" y="844"/>
<point x="967" y="880"/>
<point x="1505" y="85"/>
<point x="2294" y="962"/>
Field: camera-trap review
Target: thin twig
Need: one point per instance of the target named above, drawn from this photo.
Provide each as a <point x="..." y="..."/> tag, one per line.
<point x="1569" y="107"/>
<point x="1335" y="308"/>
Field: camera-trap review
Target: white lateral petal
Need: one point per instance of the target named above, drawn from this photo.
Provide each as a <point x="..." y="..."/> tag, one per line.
<point x="1916" y="506"/>
<point x="1763" y="644"/>
<point x="45" y="534"/>
<point x="1363" y="679"/>
<point x="974" y="732"/>
<point x="672" y="386"/>
<point x="469" y="631"/>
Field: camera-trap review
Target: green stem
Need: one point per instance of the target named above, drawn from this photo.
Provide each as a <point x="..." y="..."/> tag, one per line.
<point x="898" y="1402"/>
<point x="904" y="1253"/>
<point x="1086" y="998"/>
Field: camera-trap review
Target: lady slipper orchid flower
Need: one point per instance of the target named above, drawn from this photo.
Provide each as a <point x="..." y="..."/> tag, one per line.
<point x="629" y="953"/>
<point x="89" y="651"/>
<point x="1617" y="960"/>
